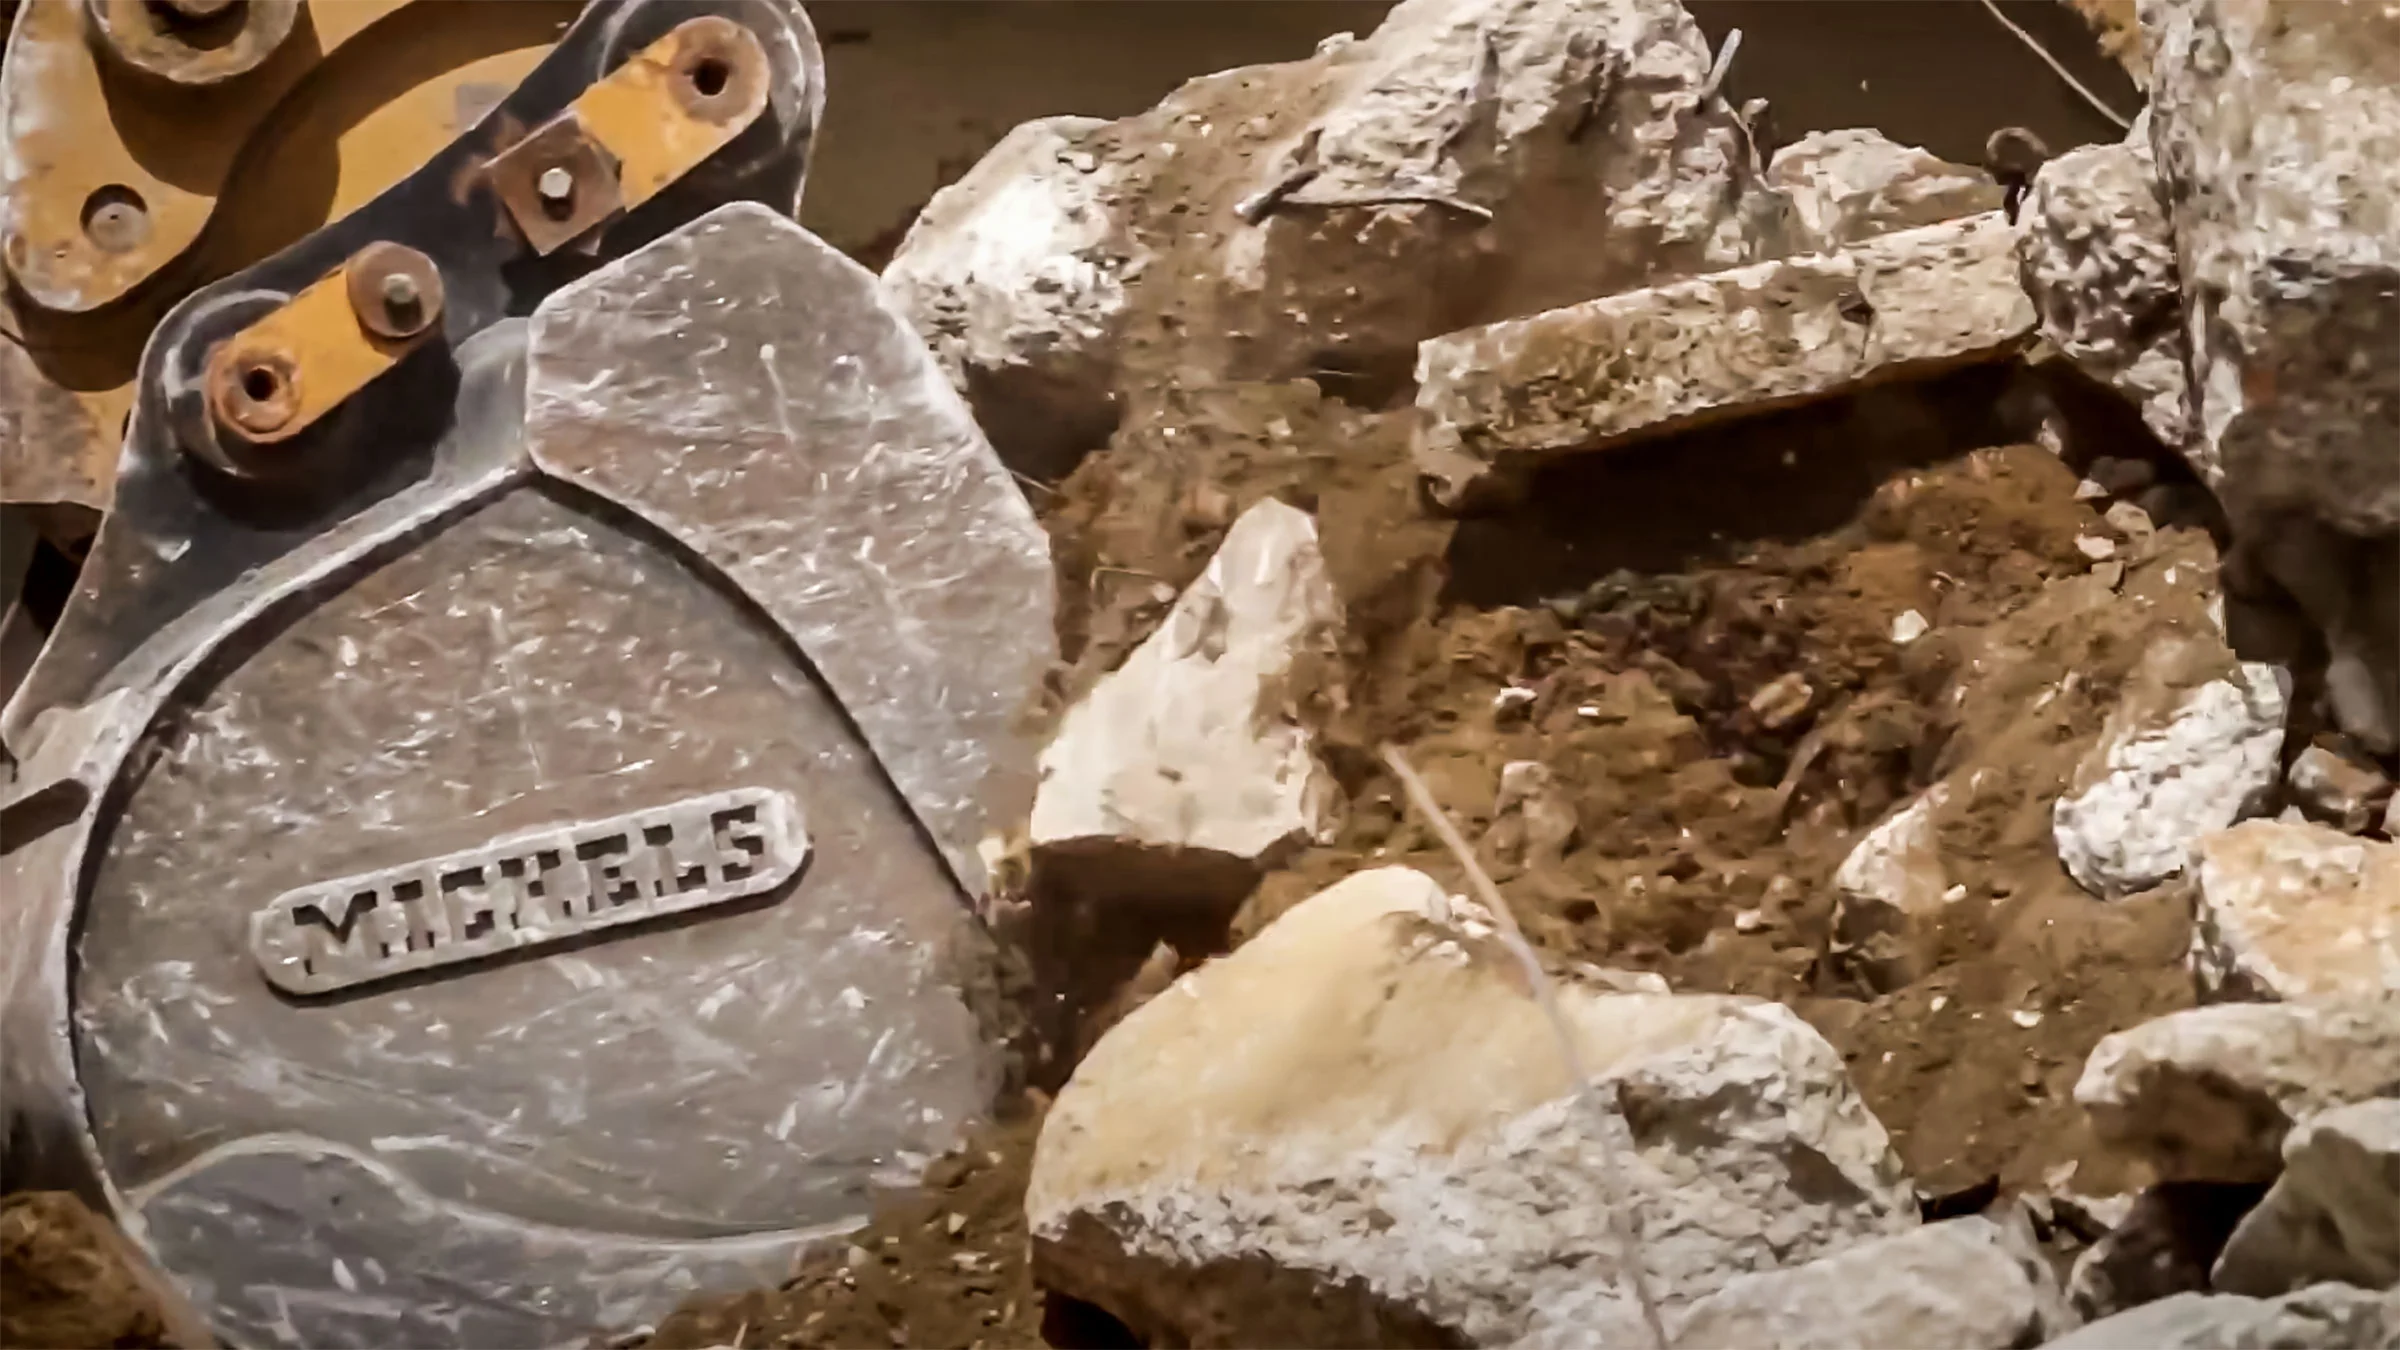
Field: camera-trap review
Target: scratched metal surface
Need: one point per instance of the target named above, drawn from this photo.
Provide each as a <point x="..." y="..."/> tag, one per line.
<point x="749" y="1070"/>
<point x="748" y="388"/>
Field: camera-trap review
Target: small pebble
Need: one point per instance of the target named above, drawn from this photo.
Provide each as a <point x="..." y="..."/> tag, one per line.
<point x="2026" y="1017"/>
<point x="1909" y="627"/>
<point x="2095" y="547"/>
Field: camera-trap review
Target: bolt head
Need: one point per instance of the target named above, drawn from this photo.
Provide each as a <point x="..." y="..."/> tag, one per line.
<point x="400" y="291"/>
<point x="556" y="185"/>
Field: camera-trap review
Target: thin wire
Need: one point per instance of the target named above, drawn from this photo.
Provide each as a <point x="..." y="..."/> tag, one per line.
<point x="1621" y="1214"/>
<point x="2123" y="123"/>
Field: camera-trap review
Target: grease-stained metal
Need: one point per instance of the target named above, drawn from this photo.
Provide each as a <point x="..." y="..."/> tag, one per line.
<point x="556" y="184"/>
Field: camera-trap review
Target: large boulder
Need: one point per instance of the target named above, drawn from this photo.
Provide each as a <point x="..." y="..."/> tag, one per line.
<point x="1359" y="1129"/>
<point x="2099" y="262"/>
<point x="2325" y="1317"/>
<point x="2334" y="1214"/>
<point x="1681" y="354"/>
<point x="1850" y="185"/>
<point x="1190" y="766"/>
<point x="2187" y="752"/>
<point x="2277" y="135"/>
<point x="2296" y="912"/>
<point x="1016" y="276"/>
<point x="2207" y="1094"/>
<point x="1966" y="1284"/>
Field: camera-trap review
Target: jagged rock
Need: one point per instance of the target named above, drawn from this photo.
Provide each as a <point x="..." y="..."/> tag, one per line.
<point x="1566" y="138"/>
<point x="2099" y="261"/>
<point x="1016" y="276"/>
<point x="1652" y="361"/>
<point x="2278" y="147"/>
<point x="1358" y="1129"/>
<point x="1964" y="1284"/>
<point x="1533" y="820"/>
<point x="2336" y="789"/>
<point x="1893" y="889"/>
<point x="2161" y="1247"/>
<point x="2334" y="1214"/>
<point x="2327" y="1317"/>
<point x="2183" y="756"/>
<point x="1188" y="766"/>
<point x="2296" y="912"/>
<point x="2207" y="1094"/>
<point x="1850" y="185"/>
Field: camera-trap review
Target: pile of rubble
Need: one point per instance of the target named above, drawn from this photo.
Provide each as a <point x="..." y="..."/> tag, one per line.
<point x="1351" y="326"/>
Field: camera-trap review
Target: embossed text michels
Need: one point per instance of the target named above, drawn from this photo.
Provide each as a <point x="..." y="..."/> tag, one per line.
<point x="529" y="889"/>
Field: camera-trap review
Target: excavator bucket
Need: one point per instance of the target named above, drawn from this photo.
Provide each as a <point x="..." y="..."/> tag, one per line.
<point x="493" y="846"/>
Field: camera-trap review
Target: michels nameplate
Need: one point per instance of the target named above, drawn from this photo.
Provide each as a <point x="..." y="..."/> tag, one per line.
<point x="529" y="889"/>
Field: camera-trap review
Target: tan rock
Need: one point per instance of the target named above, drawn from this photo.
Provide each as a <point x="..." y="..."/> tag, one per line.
<point x="2336" y="789"/>
<point x="2326" y="1317"/>
<point x="1729" y="344"/>
<point x="1358" y="1129"/>
<point x="2296" y="912"/>
<point x="1188" y="762"/>
<point x="1893" y="889"/>
<point x="1855" y="184"/>
<point x="2334" y="1214"/>
<point x="2207" y="1094"/>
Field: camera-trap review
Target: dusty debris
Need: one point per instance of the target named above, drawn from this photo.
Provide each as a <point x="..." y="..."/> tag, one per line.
<point x="2160" y="1247"/>
<point x="2326" y="1317"/>
<point x="1850" y="185"/>
<point x="2207" y="1094"/>
<point x="1965" y="1283"/>
<point x="73" y="1282"/>
<point x="1396" y="1150"/>
<point x="2340" y="790"/>
<point x="2334" y="1214"/>
<point x="2296" y="912"/>
<point x="2099" y="262"/>
<point x="1648" y="362"/>
<point x="1192" y="763"/>
<point x="2187" y="753"/>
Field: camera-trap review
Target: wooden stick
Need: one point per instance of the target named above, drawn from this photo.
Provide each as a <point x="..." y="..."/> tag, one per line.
<point x="1620" y="1200"/>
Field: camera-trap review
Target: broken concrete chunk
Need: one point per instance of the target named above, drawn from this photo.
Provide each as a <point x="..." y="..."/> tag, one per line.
<point x="2278" y="148"/>
<point x="2336" y="789"/>
<point x="2334" y="1214"/>
<point x="2296" y="912"/>
<point x="1893" y="889"/>
<point x="2182" y="757"/>
<point x="2326" y="1317"/>
<point x="2099" y="262"/>
<point x="1964" y="1285"/>
<point x="1358" y="1129"/>
<point x="1015" y="274"/>
<point x="2207" y="1094"/>
<point x="1850" y="185"/>
<point x="1190" y="755"/>
<point x="1730" y="344"/>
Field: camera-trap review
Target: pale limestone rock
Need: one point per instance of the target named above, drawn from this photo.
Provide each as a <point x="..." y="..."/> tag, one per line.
<point x="1965" y="1284"/>
<point x="2207" y="1094"/>
<point x="2181" y="757"/>
<point x="2336" y="789"/>
<point x="1533" y="820"/>
<point x="2099" y="262"/>
<point x="1358" y="1129"/>
<point x="1892" y="890"/>
<point x="1016" y="276"/>
<point x="2296" y="912"/>
<point x="1730" y="344"/>
<point x="2326" y="1317"/>
<point x="1190" y="754"/>
<point x="2334" y="1214"/>
<point x="1854" y="184"/>
<point x="2277" y="139"/>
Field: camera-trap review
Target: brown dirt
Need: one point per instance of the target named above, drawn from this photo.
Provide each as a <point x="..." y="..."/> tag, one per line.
<point x="64" y="1284"/>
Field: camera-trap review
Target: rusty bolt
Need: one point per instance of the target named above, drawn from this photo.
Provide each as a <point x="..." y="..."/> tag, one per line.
<point x="556" y="188"/>
<point x="395" y="291"/>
